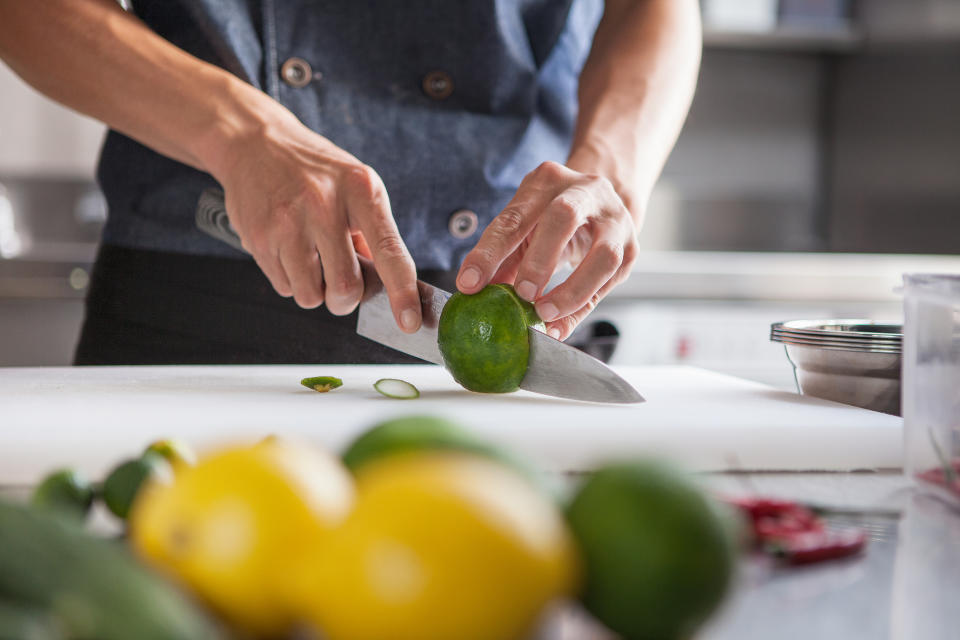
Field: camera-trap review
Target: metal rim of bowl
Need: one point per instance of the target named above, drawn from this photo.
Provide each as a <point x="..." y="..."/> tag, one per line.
<point x="838" y="337"/>
<point x="779" y="337"/>
<point x="841" y="347"/>
<point x="822" y="328"/>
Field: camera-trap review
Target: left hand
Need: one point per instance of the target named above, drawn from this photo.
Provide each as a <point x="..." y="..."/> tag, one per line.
<point x="558" y="215"/>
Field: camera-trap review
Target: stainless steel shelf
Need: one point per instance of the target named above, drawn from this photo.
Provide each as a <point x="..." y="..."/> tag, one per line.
<point x="839" y="39"/>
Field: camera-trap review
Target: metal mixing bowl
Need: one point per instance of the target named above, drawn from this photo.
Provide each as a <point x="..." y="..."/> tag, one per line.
<point x="836" y="360"/>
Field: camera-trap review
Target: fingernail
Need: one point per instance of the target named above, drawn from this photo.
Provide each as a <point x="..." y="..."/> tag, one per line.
<point x="554" y="333"/>
<point x="408" y="318"/>
<point x="547" y="311"/>
<point x="527" y="290"/>
<point x="470" y="277"/>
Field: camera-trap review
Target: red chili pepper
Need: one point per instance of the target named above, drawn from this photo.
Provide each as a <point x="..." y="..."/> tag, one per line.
<point x="795" y="533"/>
<point x="819" y="546"/>
<point x="942" y="477"/>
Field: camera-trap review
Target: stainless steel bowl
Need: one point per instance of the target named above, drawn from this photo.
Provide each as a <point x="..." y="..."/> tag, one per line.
<point x="855" y="362"/>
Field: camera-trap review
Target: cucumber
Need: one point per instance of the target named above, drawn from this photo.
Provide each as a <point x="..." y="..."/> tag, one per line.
<point x="92" y="588"/>
<point x="26" y="622"/>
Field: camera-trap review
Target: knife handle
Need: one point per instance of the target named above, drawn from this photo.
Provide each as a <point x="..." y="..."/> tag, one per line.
<point x="211" y="218"/>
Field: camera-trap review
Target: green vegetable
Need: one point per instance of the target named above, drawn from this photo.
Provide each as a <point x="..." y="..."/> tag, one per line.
<point x="322" y="383"/>
<point x="56" y="576"/>
<point x="21" y="621"/>
<point x="659" y="555"/>
<point x="484" y="339"/>
<point x="123" y="484"/>
<point x="420" y="433"/>
<point x="65" y="490"/>
<point x="397" y="389"/>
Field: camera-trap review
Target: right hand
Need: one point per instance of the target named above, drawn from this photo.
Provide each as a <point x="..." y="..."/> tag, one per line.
<point x="304" y="207"/>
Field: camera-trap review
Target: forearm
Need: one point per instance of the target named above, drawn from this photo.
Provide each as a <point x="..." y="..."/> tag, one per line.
<point x="635" y="90"/>
<point x="101" y="61"/>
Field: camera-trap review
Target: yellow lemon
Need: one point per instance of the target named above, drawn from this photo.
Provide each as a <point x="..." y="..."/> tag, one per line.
<point x="440" y="545"/>
<point x="232" y="526"/>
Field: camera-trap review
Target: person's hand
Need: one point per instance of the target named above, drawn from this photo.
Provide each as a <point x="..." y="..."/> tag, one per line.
<point x="557" y="215"/>
<point x="304" y="208"/>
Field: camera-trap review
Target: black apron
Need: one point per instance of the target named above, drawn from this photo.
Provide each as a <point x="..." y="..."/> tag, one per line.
<point x="151" y="307"/>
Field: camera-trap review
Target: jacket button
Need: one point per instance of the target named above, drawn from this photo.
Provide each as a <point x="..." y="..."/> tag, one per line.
<point x="296" y="72"/>
<point x="463" y="223"/>
<point x="438" y="85"/>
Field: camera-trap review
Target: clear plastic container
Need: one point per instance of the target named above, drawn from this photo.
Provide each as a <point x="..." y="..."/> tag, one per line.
<point x="931" y="383"/>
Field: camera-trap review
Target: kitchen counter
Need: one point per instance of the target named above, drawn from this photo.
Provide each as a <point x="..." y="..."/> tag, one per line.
<point x="776" y="275"/>
<point x="904" y="586"/>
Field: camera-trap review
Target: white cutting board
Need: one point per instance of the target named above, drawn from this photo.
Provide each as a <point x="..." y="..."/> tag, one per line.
<point x="91" y="417"/>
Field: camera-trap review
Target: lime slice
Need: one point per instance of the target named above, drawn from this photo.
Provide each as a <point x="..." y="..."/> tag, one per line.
<point x="322" y="383"/>
<point x="483" y="338"/>
<point x="66" y="491"/>
<point x="399" y="389"/>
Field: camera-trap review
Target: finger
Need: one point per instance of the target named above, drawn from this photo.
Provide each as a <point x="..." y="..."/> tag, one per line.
<point x="302" y="265"/>
<point x="368" y="208"/>
<point x="562" y="327"/>
<point x="360" y="245"/>
<point x="555" y="229"/>
<point x="343" y="282"/>
<point x="505" y="232"/>
<point x="507" y="273"/>
<point x="597" y="268"/>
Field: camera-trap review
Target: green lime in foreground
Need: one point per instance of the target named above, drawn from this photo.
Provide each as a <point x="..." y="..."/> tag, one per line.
<point x="66" y="491"/>
<point x="483" y="338"/>
<point x="412" y="433"/>
<point x="659" y="556"/>
<point x="123" y="484"/>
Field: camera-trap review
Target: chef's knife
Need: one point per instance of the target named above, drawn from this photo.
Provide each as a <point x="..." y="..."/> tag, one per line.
<point x="554" y="369"/>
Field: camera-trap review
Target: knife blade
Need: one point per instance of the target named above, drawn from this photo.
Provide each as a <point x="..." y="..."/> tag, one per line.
<point x="554" y="369"/>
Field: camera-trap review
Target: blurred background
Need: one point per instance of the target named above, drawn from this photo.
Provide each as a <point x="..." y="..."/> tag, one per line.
<point x="820" y="161"/>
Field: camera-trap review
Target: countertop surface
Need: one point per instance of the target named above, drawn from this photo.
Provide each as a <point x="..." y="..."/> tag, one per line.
<point x="906" y="585"/>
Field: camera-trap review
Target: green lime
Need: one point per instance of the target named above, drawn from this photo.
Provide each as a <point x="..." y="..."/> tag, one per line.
<point x="659" y="557"/>
<point x="65" y="490"/>
<point x="176" y="452"/>
<point x="409" y="433"/>
<point x="124" y="482"/>
<point x="483" y="338"/>
<point x="417" y="433"/>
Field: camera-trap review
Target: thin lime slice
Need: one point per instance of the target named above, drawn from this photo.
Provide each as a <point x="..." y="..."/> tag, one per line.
<point x="322" y="383"/>
<point x="399" y="389"/>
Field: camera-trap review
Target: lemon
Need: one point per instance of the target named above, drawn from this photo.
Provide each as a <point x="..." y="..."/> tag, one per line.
<point x="231" y="526"/>
<point x="483" y="338"/>
<point x="440" y="545"/>
<point x="658" y="554"/>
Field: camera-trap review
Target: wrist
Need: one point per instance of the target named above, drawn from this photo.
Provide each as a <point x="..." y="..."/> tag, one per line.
<point x="598" y="157"/>
<point x="238" y="116"/>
